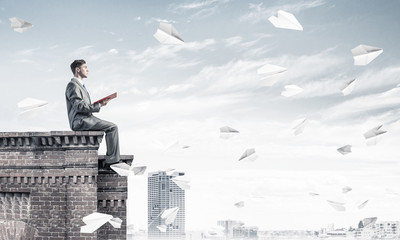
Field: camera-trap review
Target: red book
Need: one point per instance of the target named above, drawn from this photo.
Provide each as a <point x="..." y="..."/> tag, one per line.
<point x="112" y="96"/>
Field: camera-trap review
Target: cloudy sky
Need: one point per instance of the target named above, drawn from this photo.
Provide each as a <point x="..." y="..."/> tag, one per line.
<point x="185" y="93"/>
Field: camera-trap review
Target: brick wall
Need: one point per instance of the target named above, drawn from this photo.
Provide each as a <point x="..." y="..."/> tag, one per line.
<point x="49" y="182"/>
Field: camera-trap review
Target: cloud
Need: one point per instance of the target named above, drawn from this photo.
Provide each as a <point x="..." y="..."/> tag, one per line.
<point x="27" y="52"/>
<point x="199" y="9"/>
<point x="153" y="19"/>
<point x="172" y="55"/>
<point x="259" y="13"/>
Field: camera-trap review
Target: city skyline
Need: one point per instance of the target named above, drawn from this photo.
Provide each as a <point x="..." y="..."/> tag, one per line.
<point x="180" y="95"/>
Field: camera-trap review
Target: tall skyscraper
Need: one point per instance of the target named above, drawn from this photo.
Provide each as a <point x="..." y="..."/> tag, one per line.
<point x="165" y="194"/>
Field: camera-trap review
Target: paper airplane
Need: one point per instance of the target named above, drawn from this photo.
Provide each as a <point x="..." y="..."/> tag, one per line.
<point x="369" y="221"/>
<point x="348" y="87"/>
<point x="124" y="169"/>
<point x="376" y="131"/>
<point x="291" y="90"/>
<point x="285" y="20"/>
<point x="362" y="205"/>
<point x="19" y="25"/>
<point x="345" y="149"/>
<point x="30" y="107"/>
<point x="338" y="206"/>
<point x="239" y="204"/>
<point x="116" y="222"/>
<point x="167" y="34"/>
<point x="169" y="215"/>
<point x="182" y="182"/>
<point x="346" y="189"/>
<point x="313" y="194"/>
<point x="299" y="125"/>
<point x="372" y="135"/>
<point x="177" y="145"/>
<point x="95" y="220"/>
<point x="227" y="132"/>
<point x="364" y="54"/>
<point x="270" y="74"/>
<point x="249" y="155"/>
<point x="162" y="228"/>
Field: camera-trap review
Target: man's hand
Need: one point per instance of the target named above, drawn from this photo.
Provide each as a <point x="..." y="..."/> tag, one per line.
<point x="104" y="102"/>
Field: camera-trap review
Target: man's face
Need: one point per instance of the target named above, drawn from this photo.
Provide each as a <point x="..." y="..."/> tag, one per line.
<point x="83" y="71"/>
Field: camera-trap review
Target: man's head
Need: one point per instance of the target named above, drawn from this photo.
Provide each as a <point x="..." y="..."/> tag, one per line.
<point x="79" y="69"/>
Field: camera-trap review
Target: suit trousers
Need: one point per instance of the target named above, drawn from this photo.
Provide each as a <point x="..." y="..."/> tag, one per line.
<point x="112" y="138"/>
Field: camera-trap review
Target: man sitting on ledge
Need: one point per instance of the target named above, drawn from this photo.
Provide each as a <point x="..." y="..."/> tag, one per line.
<point x="80" y="111"/>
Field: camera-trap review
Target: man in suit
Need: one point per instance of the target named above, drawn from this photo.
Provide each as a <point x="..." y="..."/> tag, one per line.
<point x="80" y="111"/>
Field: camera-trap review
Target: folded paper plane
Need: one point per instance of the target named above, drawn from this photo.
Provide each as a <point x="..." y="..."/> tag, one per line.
<point x="285" y="20"/>
<point x="124" y="169"/>
<point x="346" y="189"/>
<point x="169" y="215"/>
<point x="376" y="131"/>
<point x="369" y="221"/>
<point x="19" y="25"/>
<point x="227" y="132"/>
<point x="270" y="74"/>
<point x="348" y="87"/>
<point x="239" y="204"/>
<point x="338" y="206"/>
<point x="314" y="194"/>
<point x="95" y="220"/>
<point x="291" y="90"/>
<point x="116" y="222"/>
<point x="167" y="34"/>
<point x="362" y="205"/>
<point x="29" y="107"/>
<point x="345" y="149"/>
<point x="299" y="125"/>
<point x="182" y="181"/>
<point x="162" y="228"/>
<point x="249" y="155"/>
<point x="364" y="54"/>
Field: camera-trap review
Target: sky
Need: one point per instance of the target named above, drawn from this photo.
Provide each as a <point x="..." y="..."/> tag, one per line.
<point x="185" y="93"/>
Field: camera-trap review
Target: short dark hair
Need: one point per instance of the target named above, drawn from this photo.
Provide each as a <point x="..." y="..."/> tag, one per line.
<point x="77" y="63"/>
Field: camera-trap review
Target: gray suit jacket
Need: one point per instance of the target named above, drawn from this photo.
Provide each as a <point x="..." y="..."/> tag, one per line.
<point x="79" y="107"/>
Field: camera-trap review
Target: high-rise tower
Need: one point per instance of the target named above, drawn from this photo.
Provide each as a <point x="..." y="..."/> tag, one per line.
<point x="163" y="194"/>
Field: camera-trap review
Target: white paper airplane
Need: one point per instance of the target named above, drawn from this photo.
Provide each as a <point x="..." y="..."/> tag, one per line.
<point x="362" y="205"/>
<point x="313" y="194"/>
<point x="348" y="87"/>
<point x="239" y="204"/>
<point x="364" y="54"/>
<point x="227" y="132"/>
<point x="345" y="149"/>
<point x="124" y="169"/>
<point x="376" y="131"/>
<point x="270" y="74"/>
<point x="291" y="90"/>
<point x="338" y="206"/>
<point x="299" y="125"/>
<point x="116" y="222"/>
<point x="30" y="107"/>
<point x="249" y="155"/>
<point x="285" y="20"/>
<point x="162" y="228"/>
<point x="167" y="34"/>
<point x="95" y="220"/>
<point x="177" y="145"/>
<point x="182" y="181"/>
<point x="19" y="25"/>
<point x="169" y="215"/>
<point x="369" y="221"/>
<point x="346" y="189"/>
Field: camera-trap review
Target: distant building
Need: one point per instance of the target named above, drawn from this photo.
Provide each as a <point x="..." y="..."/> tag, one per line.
<point x="163" y="194"/>
<point x="235" y="230"/>
<point x="387" y="229"/>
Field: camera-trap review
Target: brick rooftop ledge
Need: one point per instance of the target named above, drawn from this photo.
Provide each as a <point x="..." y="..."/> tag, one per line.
<point x="10" y="141"/>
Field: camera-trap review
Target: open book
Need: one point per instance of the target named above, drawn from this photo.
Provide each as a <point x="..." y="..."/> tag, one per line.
<point x="112" y="96"/>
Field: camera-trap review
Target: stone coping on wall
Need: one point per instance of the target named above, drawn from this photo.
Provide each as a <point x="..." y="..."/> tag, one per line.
<point x="54" y="140"/>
